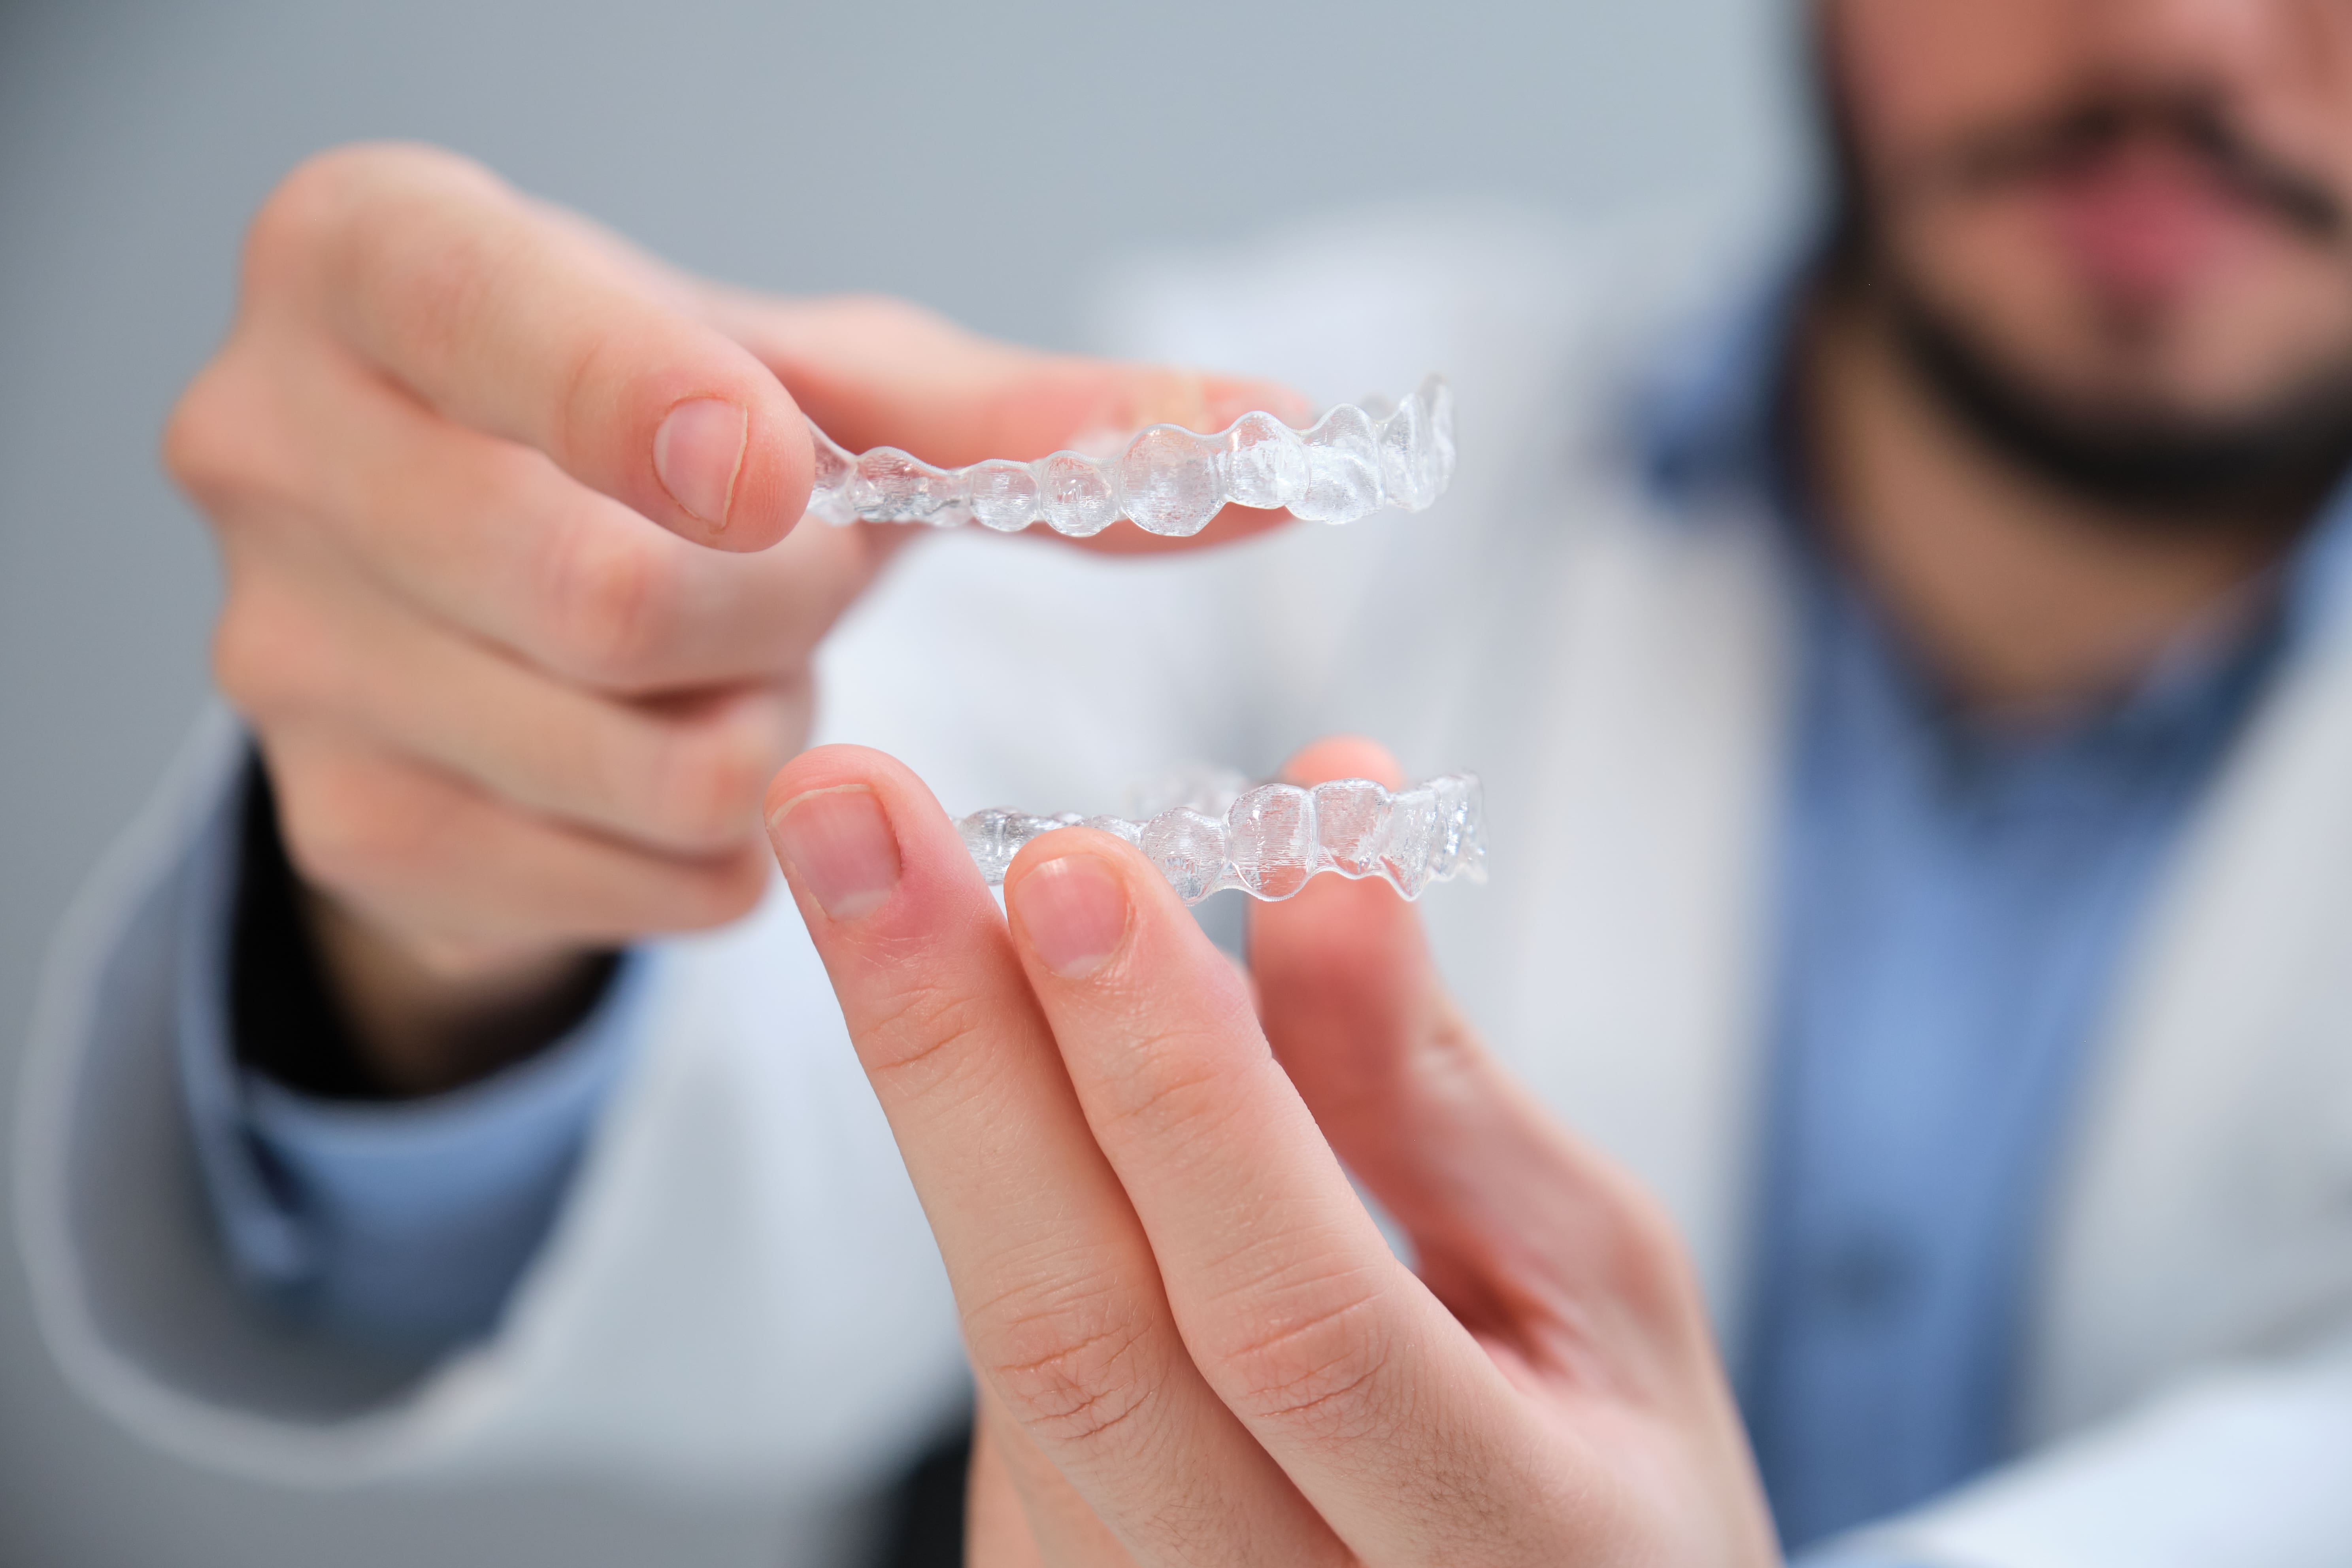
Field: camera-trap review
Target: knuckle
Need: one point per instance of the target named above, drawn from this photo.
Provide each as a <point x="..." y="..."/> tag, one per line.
<point x="215" y="443"/>
<point x="1650" y="1257"/>
<point x="614" y="604"/>
<point x="1070" y="1365"/>
<point x="1317" y="1369"/>
<point x="443" y="281"/>
<point x="583" y="384"/>
<point x="1170" y="1092"/>
<point x="287" y="231"/>
<point x="346" y="223"/>
<point x="344" y="832"/>
<point x="355" y="192"/>
<point x="796" y="697"/>
<point x="709" y="776"/>
<point x="412" y="243"/>
<point x="194" y="433"/>
<point x="914" y="1036"/>
<point x="300" y="221"/>
<point x="723" y="891"/>
<point x="264" y="660"/>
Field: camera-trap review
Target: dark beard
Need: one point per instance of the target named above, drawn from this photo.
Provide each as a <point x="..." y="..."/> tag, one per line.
<point x="2269" y="466"/>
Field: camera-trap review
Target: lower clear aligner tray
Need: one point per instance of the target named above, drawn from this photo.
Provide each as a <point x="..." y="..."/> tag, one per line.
<point x="1355" y="460"/>
<point x="1269" y="839"/>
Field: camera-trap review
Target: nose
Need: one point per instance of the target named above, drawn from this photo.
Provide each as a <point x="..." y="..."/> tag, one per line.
<point x="2231" y="44"/>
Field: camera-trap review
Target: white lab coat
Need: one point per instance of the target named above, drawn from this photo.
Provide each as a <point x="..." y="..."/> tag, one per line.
<point x="741" y="1290"/>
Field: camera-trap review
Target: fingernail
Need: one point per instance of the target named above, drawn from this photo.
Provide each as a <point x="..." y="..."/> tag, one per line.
<point x="698" y="452"/>
<point x="838" y="844"/>
<point x="1073" y="913"/>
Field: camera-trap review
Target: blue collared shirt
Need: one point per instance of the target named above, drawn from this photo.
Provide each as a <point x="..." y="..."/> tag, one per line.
<point x="1954" y="900"/>
<point x="1954" y="904"/>
<point x="402" y="1225"/>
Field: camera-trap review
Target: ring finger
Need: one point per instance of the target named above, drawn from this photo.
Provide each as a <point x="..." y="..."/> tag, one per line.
<point x="304" y="642"/>
<point x="425" y="853"/>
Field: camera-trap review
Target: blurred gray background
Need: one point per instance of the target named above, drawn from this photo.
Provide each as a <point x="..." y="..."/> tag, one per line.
<point x="986" y="159"/>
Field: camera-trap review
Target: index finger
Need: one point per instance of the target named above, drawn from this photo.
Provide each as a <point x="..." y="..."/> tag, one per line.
<point x="1389" y="1418"/>
<point x="503" y="319"/>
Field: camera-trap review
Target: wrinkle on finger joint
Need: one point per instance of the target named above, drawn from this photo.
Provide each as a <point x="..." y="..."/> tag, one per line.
<point x="916" y="1037"/>
<point x="1321" y="1373"/>
<point x="1072" y="1373"/>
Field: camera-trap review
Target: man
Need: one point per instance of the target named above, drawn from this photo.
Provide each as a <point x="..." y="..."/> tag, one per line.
<point x="1915" y="723"/>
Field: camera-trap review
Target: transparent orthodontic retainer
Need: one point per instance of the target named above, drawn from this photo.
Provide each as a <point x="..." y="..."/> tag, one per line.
<point x="1269" y="839"/>
<point x="1355" y="460"/>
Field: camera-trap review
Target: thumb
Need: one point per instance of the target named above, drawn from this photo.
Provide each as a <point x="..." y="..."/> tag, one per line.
<point x="1496" y="1197"/>
<point x="1353" y="1008"/>
<point x="883" y="373"/>
<point x="516" y="321"/>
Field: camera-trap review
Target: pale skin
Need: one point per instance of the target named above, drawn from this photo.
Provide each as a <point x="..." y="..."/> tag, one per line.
<point x="511" y="606"/>
<point x="519" y="659"/>
<point x="1193" y="1345"/>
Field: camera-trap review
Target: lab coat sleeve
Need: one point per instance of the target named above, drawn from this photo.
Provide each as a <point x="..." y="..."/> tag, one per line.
<point x="398" y="1224"/>
<point x="739" y="1291"/>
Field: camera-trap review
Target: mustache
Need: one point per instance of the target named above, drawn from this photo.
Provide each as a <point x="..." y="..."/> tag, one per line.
<point x="2197" y="125"/>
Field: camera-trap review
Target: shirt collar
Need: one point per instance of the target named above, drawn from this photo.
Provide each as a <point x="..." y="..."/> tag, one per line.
<point x="1713" y="415"/>
<point x="2315" y="593"/>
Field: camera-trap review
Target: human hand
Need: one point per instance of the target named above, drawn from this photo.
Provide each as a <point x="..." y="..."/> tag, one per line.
<point x="1193" y="1345"/>
<point x="499" y="504"/>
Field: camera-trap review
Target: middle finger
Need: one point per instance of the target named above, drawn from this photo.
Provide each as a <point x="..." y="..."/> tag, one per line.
<point x="307" y="642"/>
<point x="1375" y="1401"/>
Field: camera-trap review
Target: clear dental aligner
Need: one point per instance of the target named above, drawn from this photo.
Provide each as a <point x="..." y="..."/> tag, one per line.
<point x="1355" y="460"/>
<point x="1268" y="840"/>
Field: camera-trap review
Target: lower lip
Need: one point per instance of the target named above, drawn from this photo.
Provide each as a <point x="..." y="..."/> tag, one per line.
<point x="2146" y="230"/>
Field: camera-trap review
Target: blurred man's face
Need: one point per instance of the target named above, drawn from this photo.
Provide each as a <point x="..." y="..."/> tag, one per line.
<point x="2119" y="232"/>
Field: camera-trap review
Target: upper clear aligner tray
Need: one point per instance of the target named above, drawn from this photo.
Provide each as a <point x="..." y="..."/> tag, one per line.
<point x="1355" y="460"/>
<point x="1271" y="838"/>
